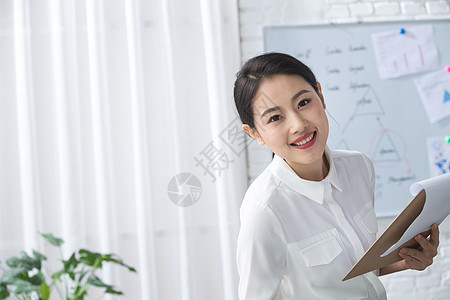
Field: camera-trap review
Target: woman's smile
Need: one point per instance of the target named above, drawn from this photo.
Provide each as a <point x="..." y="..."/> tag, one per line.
<point x="305" y="141"/>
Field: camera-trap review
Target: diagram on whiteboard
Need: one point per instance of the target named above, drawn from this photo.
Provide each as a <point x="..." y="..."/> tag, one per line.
<point x="387" y="148"/>
<point x="367" y="121"/>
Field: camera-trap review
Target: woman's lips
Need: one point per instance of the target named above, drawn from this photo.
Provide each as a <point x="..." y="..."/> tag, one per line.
<point x="305" y="141"/>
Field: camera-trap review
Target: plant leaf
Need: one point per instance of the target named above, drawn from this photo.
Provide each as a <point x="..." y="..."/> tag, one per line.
<point x="3" y="291"/>
<point x="28" y="262"/>
<point x="25" y="261"/>
<point x="24" y="287"/>
<point x="39" y="256"/>
<point x="95" y="281"/>
<point x="13" y="262"/>
<point x="71" y="263"/>
<point x="11" y="276"/>
<point x="44" y="291"/>
<point x="113" y="291"/>
<point x="109" y="289"/>
<point x="55" y="241"/>
<point x="116" y="260"/>
<point x="70" y="266"/>
<point x="90" y="258"/>
<point x="37" y="279"/>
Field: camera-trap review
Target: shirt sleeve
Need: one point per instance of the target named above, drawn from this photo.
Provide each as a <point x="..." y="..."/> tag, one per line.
<point x="261" y="254"/>
<point x="371" y="171"/>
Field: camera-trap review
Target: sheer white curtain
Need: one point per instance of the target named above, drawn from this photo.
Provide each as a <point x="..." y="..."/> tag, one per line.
<point x="118" y="134"/>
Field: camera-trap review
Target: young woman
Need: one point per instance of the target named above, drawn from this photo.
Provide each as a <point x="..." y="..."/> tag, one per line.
<point x="309" y="216"/>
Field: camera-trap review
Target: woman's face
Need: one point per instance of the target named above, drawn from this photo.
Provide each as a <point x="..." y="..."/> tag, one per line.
<point x="290" y="119"/>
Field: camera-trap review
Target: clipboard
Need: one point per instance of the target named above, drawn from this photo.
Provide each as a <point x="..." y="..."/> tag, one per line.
<point x="372" y="259"/>
<point x="431" y="204"/>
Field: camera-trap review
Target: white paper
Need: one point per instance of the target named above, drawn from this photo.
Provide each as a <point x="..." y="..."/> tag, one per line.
<point x="435" y="210"/>
<point x="434" y="90"/>
<point x="438" y="155"/>
<point x="409" y="53"/>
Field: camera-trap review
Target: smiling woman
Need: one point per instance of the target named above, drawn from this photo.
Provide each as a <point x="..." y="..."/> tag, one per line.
<point x="309" y="216"/>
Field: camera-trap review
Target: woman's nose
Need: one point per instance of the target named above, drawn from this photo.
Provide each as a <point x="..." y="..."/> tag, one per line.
<point x="297" y="123"/>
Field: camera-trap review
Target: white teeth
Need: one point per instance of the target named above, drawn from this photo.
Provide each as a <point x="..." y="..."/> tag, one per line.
<point x="309" y="138"/>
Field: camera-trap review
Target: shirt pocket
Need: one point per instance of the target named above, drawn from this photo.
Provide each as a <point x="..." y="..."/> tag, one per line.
<point x="367" y="220"/>
<point x="320" y="249"/>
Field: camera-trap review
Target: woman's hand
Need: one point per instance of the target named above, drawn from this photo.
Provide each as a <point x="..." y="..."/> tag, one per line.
<point x="416" y="259"/>
<point x="421" y="258"/>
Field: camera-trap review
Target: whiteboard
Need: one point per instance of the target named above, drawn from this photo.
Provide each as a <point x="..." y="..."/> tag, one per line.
<point x="392" y="129"/>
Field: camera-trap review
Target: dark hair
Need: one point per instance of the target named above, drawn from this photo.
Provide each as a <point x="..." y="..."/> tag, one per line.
<point x="262" y="67"/>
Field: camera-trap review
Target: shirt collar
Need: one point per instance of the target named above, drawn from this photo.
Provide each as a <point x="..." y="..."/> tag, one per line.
<point x="313" y="190"/>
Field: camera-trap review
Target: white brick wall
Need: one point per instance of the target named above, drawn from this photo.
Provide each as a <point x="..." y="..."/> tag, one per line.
<point x="387" y="8"/>
<point x="337" y="11"/>
<point x="412" y="8"/>
<point x="433" y="283"/>
<point x="437" y="7"/>
<point x="361" y="9"/>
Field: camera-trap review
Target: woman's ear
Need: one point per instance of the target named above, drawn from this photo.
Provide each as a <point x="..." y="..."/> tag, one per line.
<point x="319" y="89"/>
<point x="253" y="133"/>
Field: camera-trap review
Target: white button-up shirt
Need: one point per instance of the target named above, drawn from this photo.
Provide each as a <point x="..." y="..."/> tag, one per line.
<point x="299" y="238"/>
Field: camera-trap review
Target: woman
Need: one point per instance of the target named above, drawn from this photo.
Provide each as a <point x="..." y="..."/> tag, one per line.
<point x="309" y="216"/>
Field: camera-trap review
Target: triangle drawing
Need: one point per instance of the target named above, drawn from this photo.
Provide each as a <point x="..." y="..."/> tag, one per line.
<point x="446" y="96"/>
<point x="385" y="151"/>
<point x="369" y="104"/>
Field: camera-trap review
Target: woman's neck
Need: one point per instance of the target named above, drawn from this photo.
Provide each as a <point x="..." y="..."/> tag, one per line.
<point x="316" y="172"/>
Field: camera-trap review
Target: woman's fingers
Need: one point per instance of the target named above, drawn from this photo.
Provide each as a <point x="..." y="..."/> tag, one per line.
<point x="419" y="259"/>
<point x="434" y="236"/>
<point x="430" y="245"/>
<point x="415" y="259"/>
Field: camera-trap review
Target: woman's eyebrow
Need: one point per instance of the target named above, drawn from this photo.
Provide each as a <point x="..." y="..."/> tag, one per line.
<point x="272" y="109"/>
<point x="268" y="111"/>
<point x="299" y="94"/>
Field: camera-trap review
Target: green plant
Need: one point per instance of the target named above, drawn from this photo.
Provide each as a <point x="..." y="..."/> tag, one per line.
<point x="26" y="277"/>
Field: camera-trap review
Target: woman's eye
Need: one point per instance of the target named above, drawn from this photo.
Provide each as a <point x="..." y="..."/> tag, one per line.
<point x="274" y="118"/>
<point x="303" y="102"/>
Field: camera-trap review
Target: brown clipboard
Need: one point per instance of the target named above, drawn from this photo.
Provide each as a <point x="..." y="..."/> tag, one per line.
<point x="372" y="259"/>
